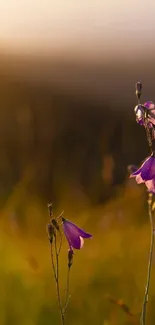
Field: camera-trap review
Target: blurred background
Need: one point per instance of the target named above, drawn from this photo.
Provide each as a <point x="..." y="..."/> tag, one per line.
<point x="67" y="135"/>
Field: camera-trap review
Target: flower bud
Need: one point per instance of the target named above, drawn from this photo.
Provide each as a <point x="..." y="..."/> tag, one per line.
<point x="70" y="257"/>
<point x="50" y="209"/>
<point x="55" y="224"/>
<point x="51" y="232"/>
<point x="138" y="89"/>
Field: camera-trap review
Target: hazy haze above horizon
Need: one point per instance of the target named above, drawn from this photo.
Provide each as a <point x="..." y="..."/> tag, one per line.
<point x="97" y="27"/>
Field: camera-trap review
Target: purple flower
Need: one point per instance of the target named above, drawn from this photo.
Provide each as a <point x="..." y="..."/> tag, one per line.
<point x="140" y="110"/>
<point x="75" y="235"/>
<point x="146" y="173"/>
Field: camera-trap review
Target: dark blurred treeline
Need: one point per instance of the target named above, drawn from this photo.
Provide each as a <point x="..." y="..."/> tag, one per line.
<point x="71" y="131"/>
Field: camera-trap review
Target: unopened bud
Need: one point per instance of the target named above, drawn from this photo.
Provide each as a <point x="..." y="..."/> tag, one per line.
<point x="138" y="89"/>
<point x="70" y="257"/>
<point x="55" y="224"/>
<point x="50" y="209"/>
<point x="51" y="232"/>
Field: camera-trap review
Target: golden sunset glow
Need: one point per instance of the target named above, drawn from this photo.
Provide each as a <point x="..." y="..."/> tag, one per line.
<point x="70" y="25"/>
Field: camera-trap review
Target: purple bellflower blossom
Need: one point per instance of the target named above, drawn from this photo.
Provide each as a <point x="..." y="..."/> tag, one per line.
<point x="75" y="235"/>
<point x="148" y="108"/>
<point x="146" y="173"/>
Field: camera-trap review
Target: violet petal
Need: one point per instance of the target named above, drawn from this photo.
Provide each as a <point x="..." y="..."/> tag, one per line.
<point x="149" y="104"/>
<point x="74" y="241"/>
<point x="139" y="179"/>
<point x="72" y="228"/>
<point x="148" y="169"/>
<point x="138" y="171"/>
<point x="150" y="185"/>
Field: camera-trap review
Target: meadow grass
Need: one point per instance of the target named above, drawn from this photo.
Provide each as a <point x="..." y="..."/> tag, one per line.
<point x="110" y="270"/>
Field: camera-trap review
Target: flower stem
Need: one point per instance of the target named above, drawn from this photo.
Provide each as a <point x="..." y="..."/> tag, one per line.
<point x="143" y="313"/>
<point x="148" y="135"/>
<point x="67" y="291"/>
<point x="53" y="265"/>
<point x="57" y="283"/>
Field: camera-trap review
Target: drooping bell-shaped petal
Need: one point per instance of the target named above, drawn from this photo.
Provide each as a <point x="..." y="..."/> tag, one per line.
<point x="148" y="169"/>
<point x="74" y="234"/>
<point x="138" y="171"/>
<point x="151" y="113"/>
<point x="146" y="173"/>
<point x="74" y="241"/>
<point x="139" y="179"/>
<point x="150" y="185"/>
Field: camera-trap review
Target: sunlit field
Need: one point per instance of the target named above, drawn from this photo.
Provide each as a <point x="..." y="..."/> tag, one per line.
<point x="108" y="273"/>
<point x="65" y="142"/>
<point x="77" y="117"/>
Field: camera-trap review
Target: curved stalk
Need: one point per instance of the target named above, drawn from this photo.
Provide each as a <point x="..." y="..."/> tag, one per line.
<point x="67" y="291"/>
<point x="143" y="313"/>
<point x="57" y="283"/>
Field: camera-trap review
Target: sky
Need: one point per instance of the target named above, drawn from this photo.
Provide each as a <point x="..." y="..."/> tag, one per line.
<point x="97" y="27"/>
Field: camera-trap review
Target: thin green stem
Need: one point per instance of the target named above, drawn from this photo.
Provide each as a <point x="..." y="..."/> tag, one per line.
<point x="143" y="313"/>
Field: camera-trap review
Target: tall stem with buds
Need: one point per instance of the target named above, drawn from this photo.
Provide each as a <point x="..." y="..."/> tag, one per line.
<point x="148" y="134"/>
<point x="55" y="238"/>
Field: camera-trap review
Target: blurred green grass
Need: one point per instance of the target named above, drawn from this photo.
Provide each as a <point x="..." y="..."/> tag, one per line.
<point x="112" y="264"/>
